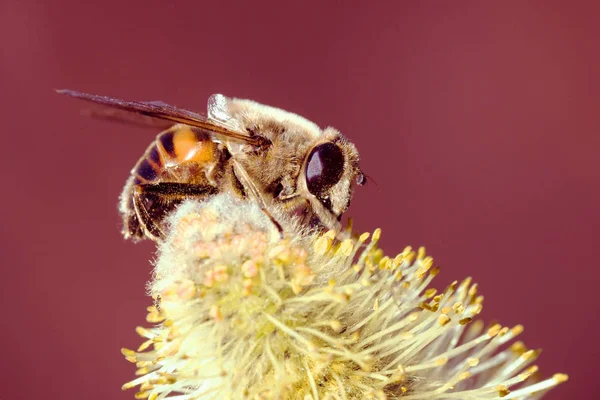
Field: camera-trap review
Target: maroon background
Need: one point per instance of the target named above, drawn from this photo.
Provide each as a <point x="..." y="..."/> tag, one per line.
<point x="479" y="122"/>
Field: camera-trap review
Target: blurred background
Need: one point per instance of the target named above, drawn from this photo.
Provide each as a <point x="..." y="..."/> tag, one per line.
<point x="478" y="121"/>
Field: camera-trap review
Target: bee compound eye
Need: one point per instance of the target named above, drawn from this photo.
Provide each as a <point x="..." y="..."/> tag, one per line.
<point x="324" y="168"/>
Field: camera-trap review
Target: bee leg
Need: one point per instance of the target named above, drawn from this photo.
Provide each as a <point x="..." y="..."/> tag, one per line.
<point x="151" y="230"/>
<point x="163" y="198"/>
<point x="242" y="176"/>
<point x="274" y="221"/>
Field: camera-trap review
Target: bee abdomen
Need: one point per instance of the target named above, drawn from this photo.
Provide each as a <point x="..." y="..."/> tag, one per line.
<point x="174" y="148"/>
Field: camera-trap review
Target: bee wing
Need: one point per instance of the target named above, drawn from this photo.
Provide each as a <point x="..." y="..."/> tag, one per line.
<point x="126" y="117"/>
<point x="163" y="111"/>
<point x="218" y="110"/>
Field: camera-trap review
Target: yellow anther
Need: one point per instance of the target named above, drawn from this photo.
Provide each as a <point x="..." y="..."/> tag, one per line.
<point x="421" y="253"/>
<point x="502" y="391"/>
<point x="346" y="248"/>
<point x="441" y="361"/>
<point x="517" y="329"/>
<point x="560" y="378"/>
<point x="473" y="362"/>
<point x="464" y="375"/>
<point x="493" y="331"/>
<point x="323" y="244"/>
<point x="215" y="313"/>
<point x="376" y="235"/>
<point x="336" y="325"/>
<point x="127" y="352"/>
<point x="249" y="268"/>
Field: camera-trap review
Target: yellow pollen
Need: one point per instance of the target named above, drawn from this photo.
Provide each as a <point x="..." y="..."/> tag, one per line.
<point x="473" y="362"/>
<point x="523" y="376"/>
<point x="517" y="330"/>
<point x="127" y="352"/>
<point x="346" y="248"/>
<point x="247" y="286"/>
<point x="385" y="263"/>
<point x="145" y="345"/>
<point x="441" y="361"/>
<point x="220" y="273"/>
<point x="154" y="318"/>
<point x="331" y="234"/>
<point x="493" y="331"/>
<point x="215" y="313"/>
<point x="518" y="348"/>
<point x="141" y="395"/>
<point x="398" y="275"/>
<point x="322" y="245"/>
<point x="412" y="317"/>
<point x="336" y="325"/>
<point x="249" y="268"/>
<point x="532" y="370"/>
<point x="464" y="375"/>
<point x="503" y="391"/>
<point x="473" y="290"/>
<point x="528" y="354"/>
<point x="281" y="253"/>
<point x="443" y="319"/>
<point x="399" y="259"/>
<point x="406" y="335"/>
<point x="143" y="332"/>
<point x="560" y="378"/>
<point x="209" y="279"/>
<point x="376" y="235"/>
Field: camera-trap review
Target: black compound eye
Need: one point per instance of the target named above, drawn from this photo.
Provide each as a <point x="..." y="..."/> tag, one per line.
<point x="324" y="168"/>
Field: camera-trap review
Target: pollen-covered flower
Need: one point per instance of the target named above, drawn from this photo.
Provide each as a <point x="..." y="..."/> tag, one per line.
<point x="243" y="313"/>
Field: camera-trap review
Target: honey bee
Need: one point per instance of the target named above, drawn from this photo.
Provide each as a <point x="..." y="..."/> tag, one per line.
<point x="291" y="168"/>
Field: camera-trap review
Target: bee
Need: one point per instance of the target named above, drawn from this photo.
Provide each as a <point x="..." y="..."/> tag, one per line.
<point x="287" y="165"/>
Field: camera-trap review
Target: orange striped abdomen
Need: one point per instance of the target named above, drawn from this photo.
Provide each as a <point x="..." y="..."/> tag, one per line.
<point x="180" y="154"/>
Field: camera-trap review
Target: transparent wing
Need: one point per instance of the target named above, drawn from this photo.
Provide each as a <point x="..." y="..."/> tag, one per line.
<point x="126" y="117"/>
<point x="218" y="110"/>
<point x="163" y="111"/>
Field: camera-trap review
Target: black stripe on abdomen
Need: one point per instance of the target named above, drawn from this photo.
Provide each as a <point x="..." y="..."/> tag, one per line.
<point x="146" y="171"/>
<point x="154" y="156"/>
<point x="166" y="141"/>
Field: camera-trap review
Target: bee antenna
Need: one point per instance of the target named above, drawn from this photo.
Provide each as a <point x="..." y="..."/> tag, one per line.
<point x="370" y="178"/>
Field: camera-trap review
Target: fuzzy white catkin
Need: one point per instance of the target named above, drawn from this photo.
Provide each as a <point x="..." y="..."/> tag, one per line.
<point x="243" y="313"/>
